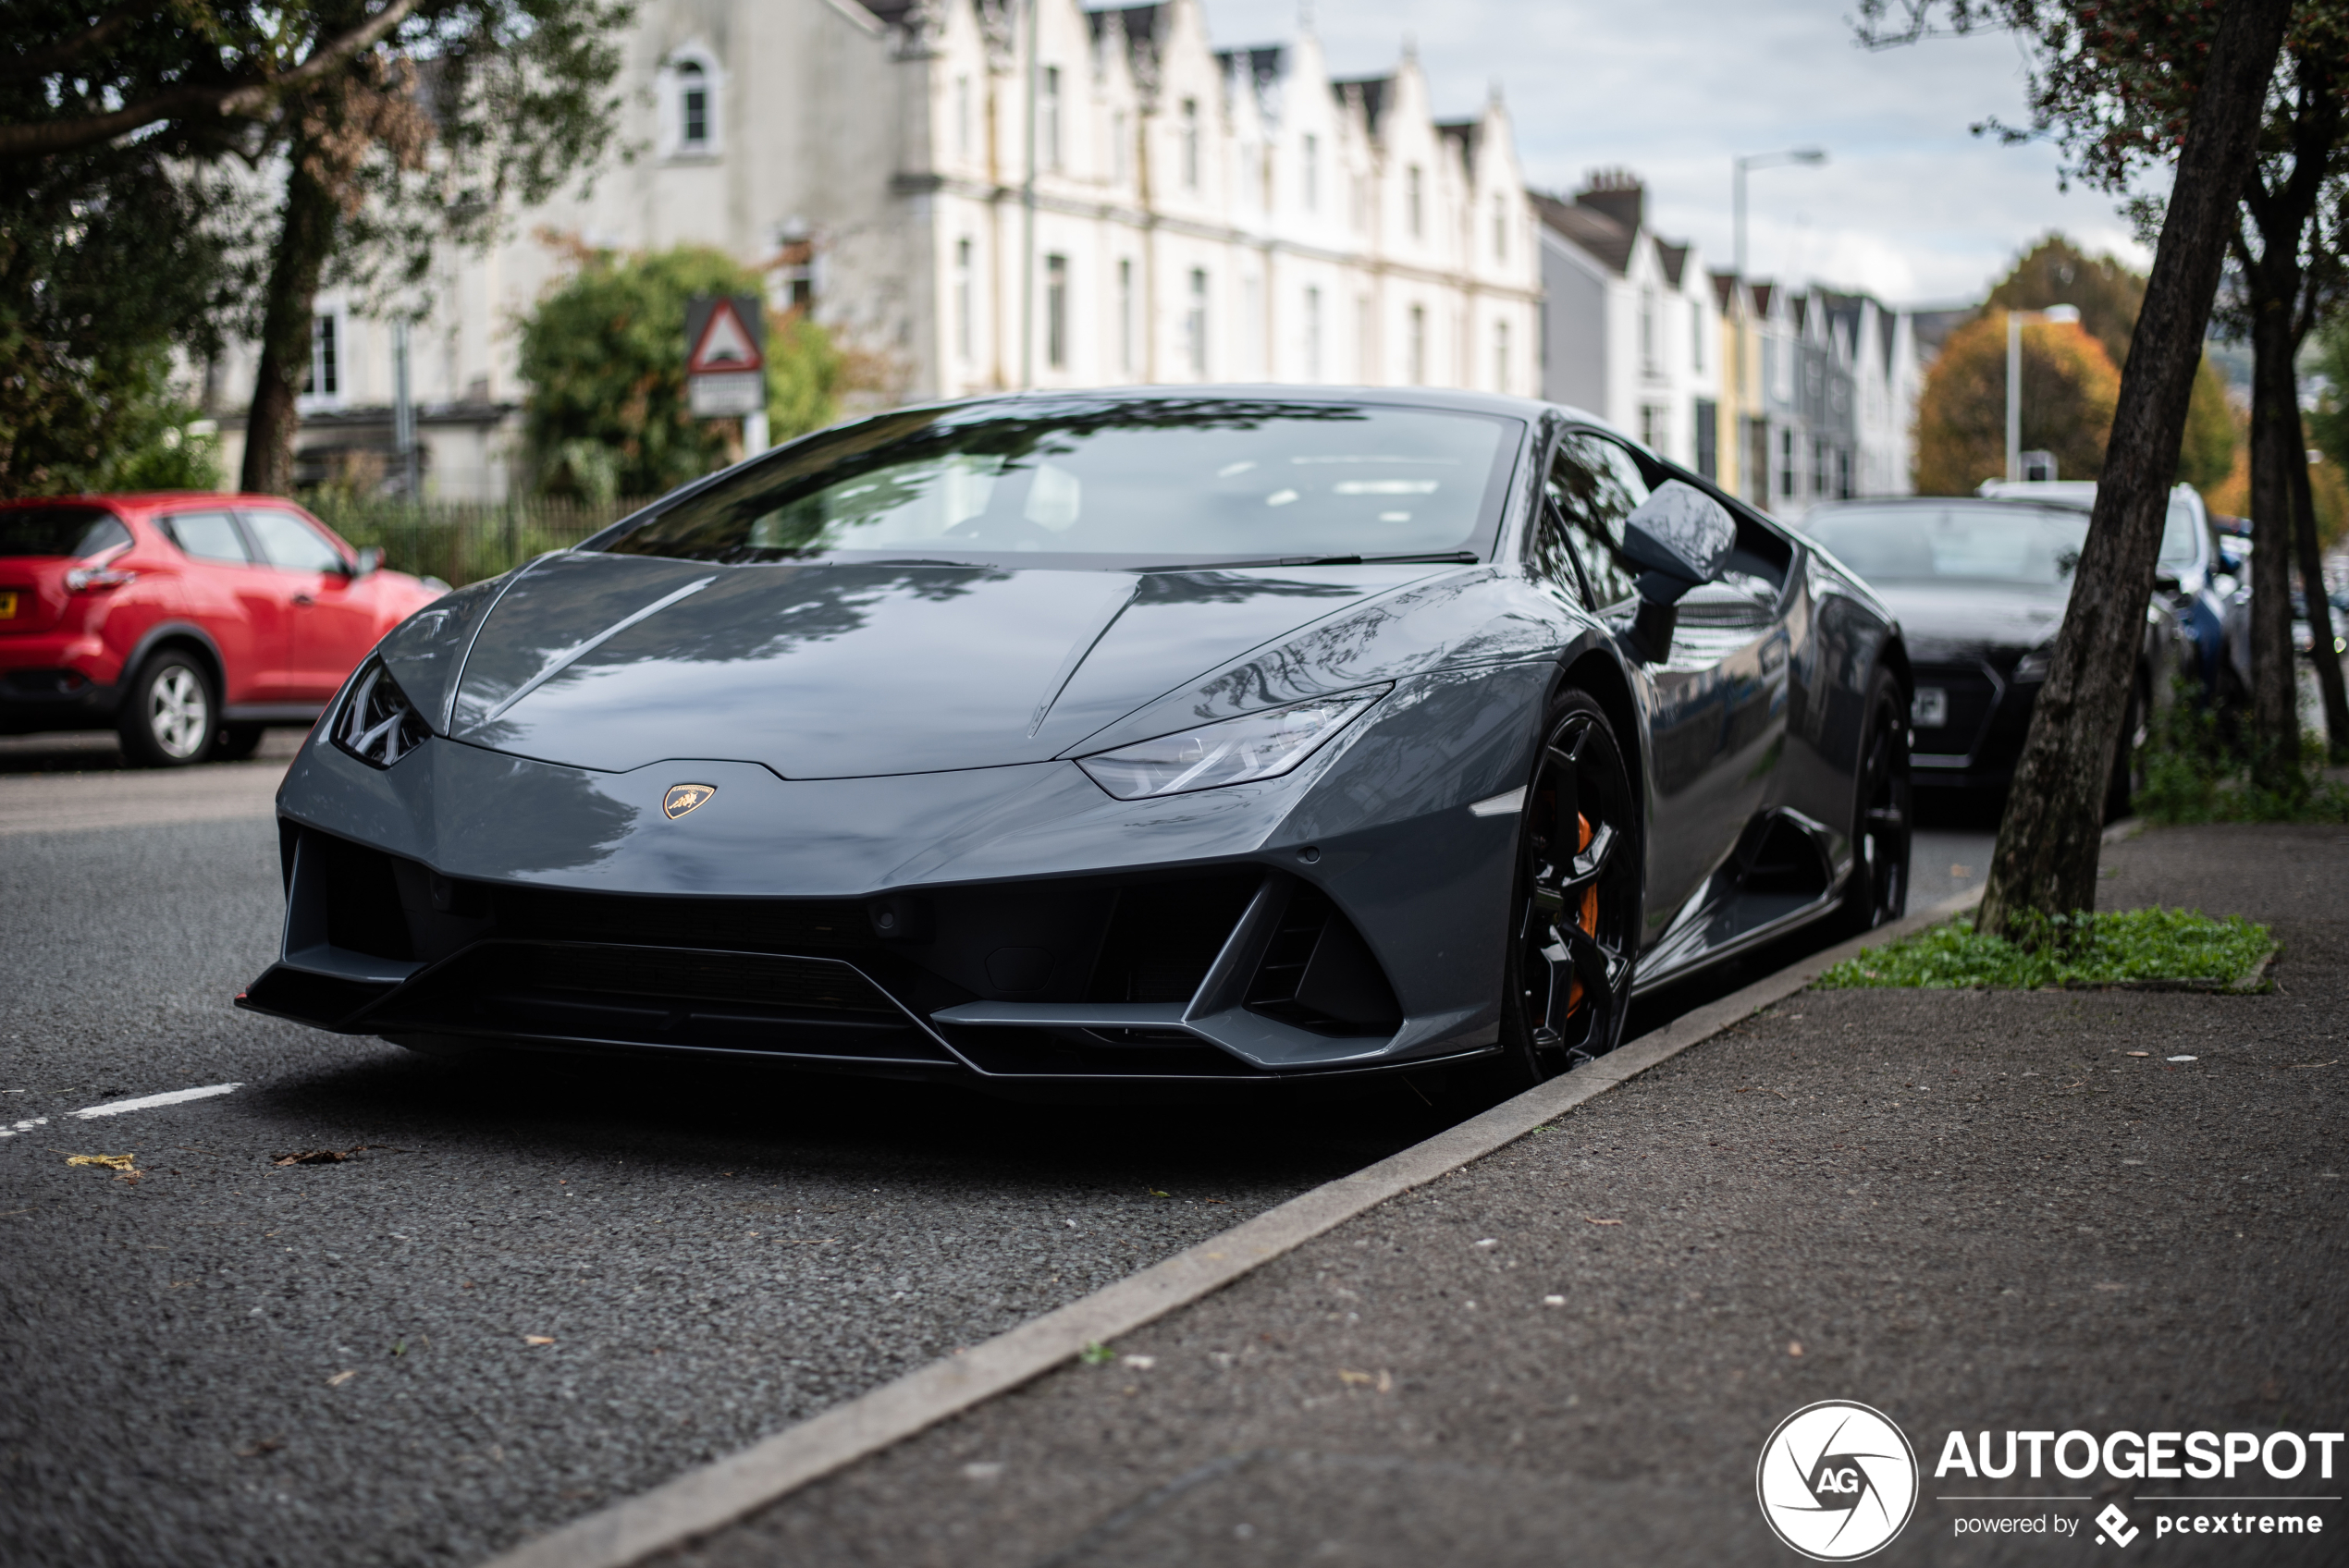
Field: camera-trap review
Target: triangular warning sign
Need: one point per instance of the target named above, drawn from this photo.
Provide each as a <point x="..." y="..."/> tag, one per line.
<point x="725" y="344"/>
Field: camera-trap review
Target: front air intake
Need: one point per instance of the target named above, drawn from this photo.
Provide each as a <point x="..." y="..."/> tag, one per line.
<point x="1318" y="973"/>
<point x="377" y="724"/>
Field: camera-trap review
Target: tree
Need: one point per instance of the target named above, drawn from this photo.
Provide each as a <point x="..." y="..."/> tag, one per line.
<point x="2121" y="84"/>
<point x="388" y="126"/>
<point x="603" y="354"/>
<point x="2109" y="293"/>
<point x="2282" y="285"/>
<point x="2068" y="387"/>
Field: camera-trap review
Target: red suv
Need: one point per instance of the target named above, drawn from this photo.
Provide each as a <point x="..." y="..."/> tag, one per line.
<point x="188" y="622"/>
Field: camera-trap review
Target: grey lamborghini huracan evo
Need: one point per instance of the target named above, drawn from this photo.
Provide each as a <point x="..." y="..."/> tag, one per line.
<point x="1229" y="734"/>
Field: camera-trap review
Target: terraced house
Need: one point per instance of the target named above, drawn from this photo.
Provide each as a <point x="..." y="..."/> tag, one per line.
<point x="980" y="195"/>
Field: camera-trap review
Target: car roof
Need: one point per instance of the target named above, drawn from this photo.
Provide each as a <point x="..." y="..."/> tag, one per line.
<point x="150" y="500"/>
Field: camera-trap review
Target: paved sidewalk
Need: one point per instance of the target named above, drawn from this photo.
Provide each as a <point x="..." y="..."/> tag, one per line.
<point x="1972" y="1211"/>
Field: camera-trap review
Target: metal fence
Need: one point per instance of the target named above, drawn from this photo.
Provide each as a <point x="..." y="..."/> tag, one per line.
<point x="462" y="541"/>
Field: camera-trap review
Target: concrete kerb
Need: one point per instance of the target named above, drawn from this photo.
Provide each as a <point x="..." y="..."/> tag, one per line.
<point x="716" y="1494"/>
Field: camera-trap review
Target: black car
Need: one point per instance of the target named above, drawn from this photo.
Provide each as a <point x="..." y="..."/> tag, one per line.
<point x="1220" y="735"/>
<point x="1980" y="586"/>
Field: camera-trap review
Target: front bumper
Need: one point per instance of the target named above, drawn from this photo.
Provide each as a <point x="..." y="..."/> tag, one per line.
<point x="1979" y="745"/>
<point x="1005" y="925"/>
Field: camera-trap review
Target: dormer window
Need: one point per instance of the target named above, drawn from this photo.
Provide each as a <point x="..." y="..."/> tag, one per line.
<point x="693" y="108"/>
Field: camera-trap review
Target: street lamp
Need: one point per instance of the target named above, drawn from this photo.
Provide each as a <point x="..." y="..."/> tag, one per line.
<point x="2057" y="314"/>
<point x="1809" y="157"/>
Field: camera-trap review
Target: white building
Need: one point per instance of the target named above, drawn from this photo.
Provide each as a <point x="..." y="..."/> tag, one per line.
<point x="1196" y="214"/>
<point x="1632" y="328"/>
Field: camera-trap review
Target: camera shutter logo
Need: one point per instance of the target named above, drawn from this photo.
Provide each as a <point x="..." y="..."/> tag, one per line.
<point x="1837" y="1481"/>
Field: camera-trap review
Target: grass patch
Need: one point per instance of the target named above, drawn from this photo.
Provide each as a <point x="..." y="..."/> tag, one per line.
<point x="2124" y="947"/>
<point x="2197" y="773"/>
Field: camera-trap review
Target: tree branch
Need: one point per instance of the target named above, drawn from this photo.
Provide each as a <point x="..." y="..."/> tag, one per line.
<point x="36" y="63"/>
<point x="243" y="100"/>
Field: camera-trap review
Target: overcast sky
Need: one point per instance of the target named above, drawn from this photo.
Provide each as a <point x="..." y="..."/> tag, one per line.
<point x="1911" y="205"/>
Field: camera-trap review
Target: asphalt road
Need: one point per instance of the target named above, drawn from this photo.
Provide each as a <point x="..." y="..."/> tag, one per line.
<point x="2042" y="1211"/>
<point x="524" y="1291"/>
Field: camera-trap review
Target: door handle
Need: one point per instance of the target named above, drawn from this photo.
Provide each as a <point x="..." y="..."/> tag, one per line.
<point x="303" y="599"/>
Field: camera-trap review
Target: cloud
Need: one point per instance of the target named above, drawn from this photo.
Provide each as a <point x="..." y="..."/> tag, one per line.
<point x="1911" y="204"/>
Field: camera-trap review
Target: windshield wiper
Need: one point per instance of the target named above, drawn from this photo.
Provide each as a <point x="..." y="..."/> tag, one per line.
<point x="1438" y="558"/>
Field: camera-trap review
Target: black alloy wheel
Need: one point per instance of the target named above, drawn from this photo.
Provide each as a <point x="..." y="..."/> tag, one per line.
<point x="1878" y="891"/>
<point x="1575" y="929"/>
<point x="170" y="714"/>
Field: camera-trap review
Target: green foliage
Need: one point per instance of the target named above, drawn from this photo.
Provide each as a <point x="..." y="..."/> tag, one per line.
<point x="2197" y="773"/>
<point x="604" y="355"/>
<point x="462" y="543"/>
<point x="2082" y="949"/>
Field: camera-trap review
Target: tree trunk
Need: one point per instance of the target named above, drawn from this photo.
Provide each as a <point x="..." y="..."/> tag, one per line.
<point x="305" y="241"/>
<point x="2275" y="427"/>
<point x="2312" y="586"/>
<point x="2046" y="861"/>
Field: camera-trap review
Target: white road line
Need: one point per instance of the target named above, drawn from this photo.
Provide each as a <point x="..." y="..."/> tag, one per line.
<point x="148" y="1102"/>
<point x="24" y="1126"/>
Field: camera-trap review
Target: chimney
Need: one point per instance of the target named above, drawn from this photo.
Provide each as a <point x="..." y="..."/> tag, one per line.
<point x="1618" y="194"/>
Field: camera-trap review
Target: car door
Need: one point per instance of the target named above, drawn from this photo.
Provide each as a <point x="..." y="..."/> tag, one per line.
<point x="1717" y="708"/>
<point x="332" y="618"/>
<point x="235" y="600"/>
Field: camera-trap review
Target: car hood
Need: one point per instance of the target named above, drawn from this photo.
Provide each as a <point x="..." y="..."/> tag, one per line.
<point x="1949" y="620"/>
<point x="839" y="671"/>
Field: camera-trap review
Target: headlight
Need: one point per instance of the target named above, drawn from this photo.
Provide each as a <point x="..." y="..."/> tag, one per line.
<point x="1235" y="750"/>
<point x="2034" y="665"/>
<point x="378" y="724"/>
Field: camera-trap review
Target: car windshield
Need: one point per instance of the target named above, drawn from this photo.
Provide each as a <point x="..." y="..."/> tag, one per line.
<point x="1975" y="540"/>
<point x="82" y="531"/>
<point x="1106" y="482"/>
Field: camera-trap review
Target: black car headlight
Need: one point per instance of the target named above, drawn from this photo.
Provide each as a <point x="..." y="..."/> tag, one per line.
<point x="1232" y="751"/>
<point x="377" y="724"/>
<point x="2034" y="664"/>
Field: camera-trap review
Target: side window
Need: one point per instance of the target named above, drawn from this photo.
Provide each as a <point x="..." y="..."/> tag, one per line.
<point x="1594" y="484"/>
<point x="292" y="543"/>
<point x="207" y="536"/>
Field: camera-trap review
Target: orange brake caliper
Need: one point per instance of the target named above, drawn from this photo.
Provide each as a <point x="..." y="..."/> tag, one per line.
<point x="1586" y="917"/>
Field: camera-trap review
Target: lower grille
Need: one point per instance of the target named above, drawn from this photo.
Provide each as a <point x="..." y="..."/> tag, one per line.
<point x="1974" y="698"/>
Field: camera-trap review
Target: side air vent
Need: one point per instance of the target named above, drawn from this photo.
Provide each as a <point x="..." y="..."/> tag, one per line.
<point x="363" y="913"/>
<point x="1318" y="973"/>
<point x="1784" y="860"/>
<point x="1164" y="937"/>
<point x="378" y="724"/>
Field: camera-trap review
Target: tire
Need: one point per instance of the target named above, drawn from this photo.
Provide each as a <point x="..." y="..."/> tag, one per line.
<point x="238" y="742"/>
<point x="171" y="713"/>
<point x="1575" y="905"/>
<point x="2129" y="757"/>
<point x="1882" y="813"/>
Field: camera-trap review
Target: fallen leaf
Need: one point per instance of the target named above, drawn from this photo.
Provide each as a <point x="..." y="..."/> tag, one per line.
<point x="538" y="1338"/>
<point x="1793" y="1347"/>
<point x="1553" y="1301"/>
<point x="1588" y="1219"/>
<point x="339" y="1378"/>
<point x="1345" y="1377"/>
<point x="266" y="1445"/>
<point x="1154" y="1192"/>
<point x="111" y="1161"/>
<point x="1385" y="1383"/>
<point x="2136" y="1053"/>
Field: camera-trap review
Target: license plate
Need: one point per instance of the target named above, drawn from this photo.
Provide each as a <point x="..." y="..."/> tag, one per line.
<point x="1930" y="710"/>
<point x="7" y="607"/>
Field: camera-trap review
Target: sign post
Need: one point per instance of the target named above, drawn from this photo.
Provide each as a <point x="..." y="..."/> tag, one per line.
<point x="726" y="363"/>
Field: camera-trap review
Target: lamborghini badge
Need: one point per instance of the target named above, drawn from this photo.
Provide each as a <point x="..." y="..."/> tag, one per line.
<point x="682" y="798"/>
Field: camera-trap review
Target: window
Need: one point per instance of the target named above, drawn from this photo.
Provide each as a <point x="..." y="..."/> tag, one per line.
<point x="1049" y="112"/>
<point x="1365" y="329"/>
<point x="1117" y="146"/>
<point x="208" y="536"/>
<point x="1843" y="476"/>
<point x="1190" y="144"/>
<point x="1417" y="339"/>
<point x="1696" y="333"/>
<point x="1126" y="316"/>
<point x="79" y="532"/>
<point x="1500" y="228"/>
<point x="1818" y="467"/>
<point x="1309" y="184"/>
<point x="693" y="106"/>
<point x="1194" y="325"/>
<point x="1312" y="333"/>
<point x="1500" y="356"/>
<point x="1414" y="215"/>
<point x="1648" y="423"/>
<point x="1594" y="485"/>
<point x="963" y="115"/>
<point x="1708" y="438"/>
<point x="1057" y="311"/>
<point x="1785" y="463"/>
<point x="963" y="300"/>
<point x="325" y="367"/>
<point x="1647" y="332"/>
<point x="287" y="540"/>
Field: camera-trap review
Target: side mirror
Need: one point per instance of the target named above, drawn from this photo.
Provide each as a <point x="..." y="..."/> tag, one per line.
<point x="371" y="559"/>
<point x="1680" y="537"/>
